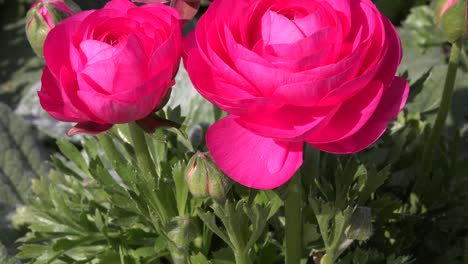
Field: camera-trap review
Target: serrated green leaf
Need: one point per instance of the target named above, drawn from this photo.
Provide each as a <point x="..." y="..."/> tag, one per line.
<point x="223" y="256"/>
<point x="199" y="259"/>
<point x="181" y="187"/>
<point x="5" y="258"/>
<point x="421" y="23"/>
<point x="258" y="216"/>
<point x="209" y="220"/>
<point x="428" y="98"/>
<point x="373" y="180"/>
<point x="192" y="105"/>
<point x="102" y="175"/>
<point x="73" y="154"/>
<point x="270" y="199"/>
<point x="22" y="156"/>
<point x="311" y="233"/>
<point x="415" y="60"/>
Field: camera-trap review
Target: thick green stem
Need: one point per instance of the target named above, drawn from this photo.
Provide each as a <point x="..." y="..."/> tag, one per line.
<point x="444" y="106"/>
<point x="327" y="259"/>
<point x="293" y="206"/>
<point x="178" y="256"/>
<point x="147" y="167"/>
<point x="242" y="258"/>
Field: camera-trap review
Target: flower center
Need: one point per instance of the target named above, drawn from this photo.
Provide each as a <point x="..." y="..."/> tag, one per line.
<point x="113" y="38"/>
<point x="292" y="13"/>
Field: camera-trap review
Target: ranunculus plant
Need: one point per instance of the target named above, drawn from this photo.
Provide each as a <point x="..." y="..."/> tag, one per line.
<point x="110" y="66"/>
<point x="306" y="86"/>
<point x="289" y="72"/>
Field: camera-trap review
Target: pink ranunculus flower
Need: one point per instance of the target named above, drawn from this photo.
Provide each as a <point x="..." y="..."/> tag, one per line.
<point x="289" y="72"/>
<point x="110" y="66"/>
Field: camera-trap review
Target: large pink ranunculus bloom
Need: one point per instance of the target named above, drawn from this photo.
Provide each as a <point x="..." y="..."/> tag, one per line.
<point x="289" y="72"/>
<point x="110" y="66"/>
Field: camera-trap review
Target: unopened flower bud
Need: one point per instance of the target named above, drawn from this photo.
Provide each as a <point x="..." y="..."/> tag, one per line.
<point x="205" y="179"/>
<point x="42" y="17"/>
<point x="451" y="17"/>
<point x="360" y="224"/>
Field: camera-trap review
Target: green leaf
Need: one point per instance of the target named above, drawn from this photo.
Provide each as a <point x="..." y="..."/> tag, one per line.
<point x="258" y="216"/>
<point x="22" y="157"/>
<point x="192" y="105"/>
<point x="102" y="175"/>
<point x="311" y="233"/>
<point x="421" y="24"/>
<point x="415" y="60"/>
<point x="271" y="200"/>
<point x="199" y="259"/>
<point x="73" y="154"/>
<point x="223" y="256"/>
<point x="428" y="98"/>
<point x="209" y="220"/>
<point x="372" y="181"/>
<point x="181" y="187"/>
<point x="5" y="258"/>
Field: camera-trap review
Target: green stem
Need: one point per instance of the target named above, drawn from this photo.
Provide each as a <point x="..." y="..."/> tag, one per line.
<point x="147" y="167"/>
<point x="444" y="105"/>
<point x="242" y="258"/>
<point x="327" y="259"/>
<point x="178" y="256"/>
<point x="293" y="229"/>
<point x="464" y="58"/>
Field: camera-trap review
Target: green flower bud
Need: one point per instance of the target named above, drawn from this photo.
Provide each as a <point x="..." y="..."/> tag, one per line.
<point x="42" y="17"/>
<point x="360" y="224"/>
<point x="205" y="179"/>
<point x="451" y="17"/>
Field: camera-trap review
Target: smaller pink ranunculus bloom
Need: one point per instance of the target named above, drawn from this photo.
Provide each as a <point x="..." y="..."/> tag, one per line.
<point x="47" y="9"/>
<point x="289" y="72"/>
<point x="446" y="5"/>
<point x="110" y="66"/>
<point x="42" y="17"/>
<point x="452" y="17"/>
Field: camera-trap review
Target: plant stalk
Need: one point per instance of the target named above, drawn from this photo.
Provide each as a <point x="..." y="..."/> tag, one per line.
<point x="327" y="259"/>
<point x="242" y="257"/>
<point x="444" y="106"/>
<point x="293" y="228"/>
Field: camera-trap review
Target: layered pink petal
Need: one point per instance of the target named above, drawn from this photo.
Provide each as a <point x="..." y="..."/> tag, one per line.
<point x="58" y="97"/>
<point x="59" y="49"/>
<point x="228" y="96"/>
<point x="54" y="101"/>
<point x="122" y="5"/>
<point x="288" y="122"/>
<point x="351" y="117"/>
<point x="393" y="100"/>
<point x="128" y="106"/>
<point x="278" y="29"/>
<point x="251" y="160"/>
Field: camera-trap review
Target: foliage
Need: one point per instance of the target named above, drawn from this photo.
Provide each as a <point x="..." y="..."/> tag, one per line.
<point x="98" y="206"/>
